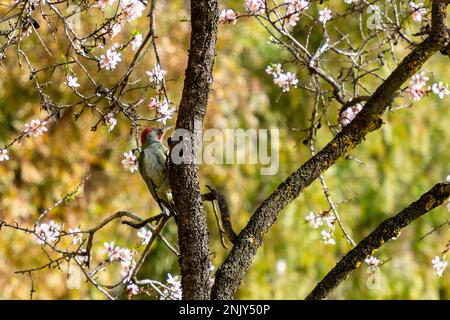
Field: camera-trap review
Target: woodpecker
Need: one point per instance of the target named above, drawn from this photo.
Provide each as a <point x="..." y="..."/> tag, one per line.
<point x="153" y="167"/>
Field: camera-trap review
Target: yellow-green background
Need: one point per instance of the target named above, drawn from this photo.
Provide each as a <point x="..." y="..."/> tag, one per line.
<point x="401" y="161"/>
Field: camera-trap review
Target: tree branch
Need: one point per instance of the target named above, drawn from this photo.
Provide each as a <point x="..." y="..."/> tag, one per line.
<point x="184" y="181"/>
<point x="388" y="229"/>
<point x="231" y="273"/>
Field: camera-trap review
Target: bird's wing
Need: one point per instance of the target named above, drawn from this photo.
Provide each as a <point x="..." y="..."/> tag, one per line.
<point x="151" y="182"/>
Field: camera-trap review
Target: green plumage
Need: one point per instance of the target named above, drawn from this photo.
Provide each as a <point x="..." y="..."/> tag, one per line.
<point x="153" y="169"/>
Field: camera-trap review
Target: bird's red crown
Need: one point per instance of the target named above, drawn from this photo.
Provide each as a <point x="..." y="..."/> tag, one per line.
<point x="147" y="131"/>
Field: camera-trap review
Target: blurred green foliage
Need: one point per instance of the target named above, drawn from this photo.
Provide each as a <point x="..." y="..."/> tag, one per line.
<point x="402" y="160"/>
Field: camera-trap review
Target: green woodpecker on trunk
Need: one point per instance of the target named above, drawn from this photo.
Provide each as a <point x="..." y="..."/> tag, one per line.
<point x="153" y="167"/>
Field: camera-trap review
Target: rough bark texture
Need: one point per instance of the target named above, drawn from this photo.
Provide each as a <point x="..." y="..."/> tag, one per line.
<point x="383" y="233"/>
<point x="231" y="273"/>
<point x="191" y="219"/>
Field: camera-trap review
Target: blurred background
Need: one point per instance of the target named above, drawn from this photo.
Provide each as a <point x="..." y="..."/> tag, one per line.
<point x="398" y="163"/>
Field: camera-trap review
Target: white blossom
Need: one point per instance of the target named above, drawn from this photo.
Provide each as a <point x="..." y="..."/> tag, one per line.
<point x="132" y="9"/>
<point x="439" y="265"/>
<point x="327" y="237"/>
<point x="132" y="289"/>
<point x="136" y="42"/>
<point x="104" y="3"/>
<point x="440" y="89"/>
<point x="72" y="82"/>
<point x="173" y="290"/>
<point x="274" y="69"/>
<point x="130" y="162"/>
<point x="77" y="238"/>
<point x="286" y="80"/>
<point x="109" y="60"/>
<point x="348" y="114"/>
<point x="111" y="250"/>
<point x="145" y="234"/>
<point x="256" y="6"/>
<point x="325" y="15"/>
<point x="315" y="221"/>
<point x="156" y="75"/>
<point x="47" y="232"/>
<point x="115" y="28"/>
<point x="111" y="121"/>
<point x="281" y="267"/>
<point x="36" y="128"/>
<point x="417" y="11"/>
<point x="228" y="16"/>
<point x="4" y="155"/>
<point x="372" y="262"/>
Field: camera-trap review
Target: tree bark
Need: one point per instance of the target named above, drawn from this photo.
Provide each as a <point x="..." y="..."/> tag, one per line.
<point x="235" y="266"/>
<point x="184" y="180"/>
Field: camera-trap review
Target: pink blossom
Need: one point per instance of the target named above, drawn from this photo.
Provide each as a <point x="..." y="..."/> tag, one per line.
<point x="325" y="15"/>
<point x="109" y="60"/>
<point x="256" y="6"/>
<point x="104" y="3"/>
<point x="145" y="234"/>
<point x="439" y="265"/>
<point x="130" y="161"/>
<point x="136" y="42"/>
<point x="132" y="9"/>
<point x="228" y="16"/>
<point x="348" y="114"/>
<point x="36" y="128"/>
<point x="417" y="11"/>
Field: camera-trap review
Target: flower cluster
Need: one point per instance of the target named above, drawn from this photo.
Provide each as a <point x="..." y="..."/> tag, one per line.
<point x="163" y="109"/>
<point x="228" y="16"/>
<point x="132" y="9"/>
<point x="123" y="255"/>
<point x="318" y="220"/>
<point x="4" y="155"/>
<point x="256" y="6"/>
<point x="145" y="234"/>
<point x="109" y="60"/>
<point x="416" y="86"/>
<point x="348" y="114"/>
<point x="47" y="232"/>
<point x="439" y="265"/>
<point x="156" y="76"/>
<point x="36" y="128"/>
<point x="417" y="11"/>
<point x="173" y="289"/>
<point x="130" y="161"/>
<point x="281" y="79"/>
